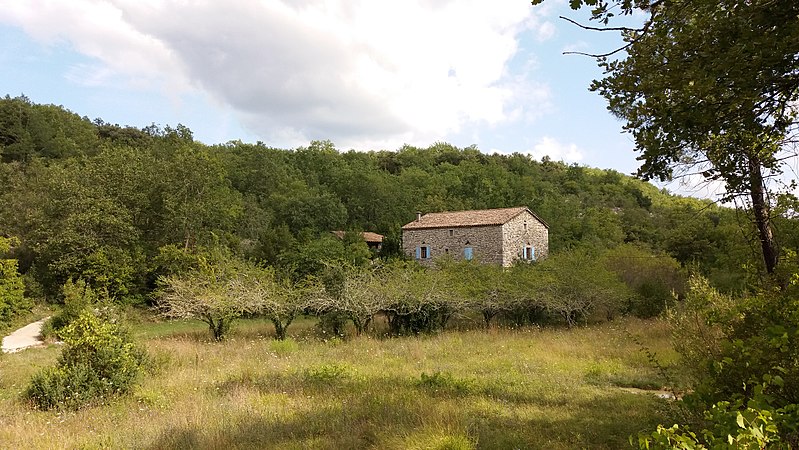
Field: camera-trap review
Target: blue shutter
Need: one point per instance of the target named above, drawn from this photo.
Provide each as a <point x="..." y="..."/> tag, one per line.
<point x="467" y="253"/>
<point x="418" y="252"/>
<point x="429" y="255"/>
<point x="532" y="253"/>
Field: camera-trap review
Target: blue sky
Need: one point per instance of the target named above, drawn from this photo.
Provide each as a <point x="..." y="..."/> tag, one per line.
<point x="368" y="75"/>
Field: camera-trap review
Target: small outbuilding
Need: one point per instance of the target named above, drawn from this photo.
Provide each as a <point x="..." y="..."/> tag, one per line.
<point x="495" y="236"/>
<point x="373" y="240"/>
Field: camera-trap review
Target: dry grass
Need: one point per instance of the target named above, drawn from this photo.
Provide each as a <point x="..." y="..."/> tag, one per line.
<point x="526" y="388"/>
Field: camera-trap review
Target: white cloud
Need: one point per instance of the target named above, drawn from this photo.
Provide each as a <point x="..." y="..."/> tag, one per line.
<point x="97" y="29"/>
<point x="350" y="71"/>
<point x="548" y="146"/>
<point x="552" y="148"/>
<point x="545" y="32"/>
<point x="90" y="74"/>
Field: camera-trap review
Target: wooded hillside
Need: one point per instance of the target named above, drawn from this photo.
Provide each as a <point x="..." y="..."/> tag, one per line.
<point x="111" y="204"/>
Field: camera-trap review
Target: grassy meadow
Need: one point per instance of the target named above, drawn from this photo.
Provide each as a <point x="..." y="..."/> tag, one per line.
<point x="501" y="388"/>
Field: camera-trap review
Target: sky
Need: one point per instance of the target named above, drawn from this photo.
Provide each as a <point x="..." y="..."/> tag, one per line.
<point x="366" y="75"/>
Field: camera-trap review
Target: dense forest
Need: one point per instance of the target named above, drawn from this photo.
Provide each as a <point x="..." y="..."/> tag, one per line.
<point x="112" y="204"/>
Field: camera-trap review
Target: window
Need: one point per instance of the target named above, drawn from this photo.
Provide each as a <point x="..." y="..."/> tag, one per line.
<point x="451" y="232"/>
<point x="528" y="253"/>
<point x="467" y="253"/>
<point x="423" y="252"/>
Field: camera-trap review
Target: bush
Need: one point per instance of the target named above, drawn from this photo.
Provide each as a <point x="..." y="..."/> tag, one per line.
<point x="744" y="357"/>
<point x="577" y="286"/>
<point x="12" y="289"/>
<point x="98" y="362"/>
<point x="78" y="297"/>
<point x="654" y="278"/>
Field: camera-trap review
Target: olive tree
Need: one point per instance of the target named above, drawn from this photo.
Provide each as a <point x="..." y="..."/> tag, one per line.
<point x="575" y="285"/>
<point x="418" y="299"/>
<point x="216" y="293"/>
<point x="281" y="299"/>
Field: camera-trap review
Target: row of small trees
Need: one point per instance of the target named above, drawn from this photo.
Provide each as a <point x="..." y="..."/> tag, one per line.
<point x="571" y="286"/>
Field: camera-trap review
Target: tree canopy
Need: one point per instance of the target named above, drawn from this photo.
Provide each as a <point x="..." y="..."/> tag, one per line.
<point x="709" y="88"/>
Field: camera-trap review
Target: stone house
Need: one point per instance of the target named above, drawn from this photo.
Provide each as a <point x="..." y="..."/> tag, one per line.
<point x="496" y="236"/>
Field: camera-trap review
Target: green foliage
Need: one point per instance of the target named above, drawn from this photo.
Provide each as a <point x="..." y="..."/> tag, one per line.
<point x="350" y="293"/>
<point x="135" y="205"/>
<point x="418" y="300"/>
<point x="98" y="362"/>
<point x="218" y="292"/>
<point x="729" y="343"/>
<point x="12" y="288"/>
<point x="78" y="297"/>
<point x="704" y="89"/>
<point x="285" y="301"/>
<point x="445" y="382"/>
<point x="742" y="354"/>
<point x="327" y="373"/>
<point x="577" y="286"/>
<point x="655" y="279"/>
<point x="757" y="425"/>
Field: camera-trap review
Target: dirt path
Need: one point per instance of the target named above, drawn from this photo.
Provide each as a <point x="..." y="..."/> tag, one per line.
<point x="26" y="337"/>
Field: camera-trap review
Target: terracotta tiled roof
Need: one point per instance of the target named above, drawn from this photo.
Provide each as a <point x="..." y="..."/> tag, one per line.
<point x="472" y="218"/>
<point x="368" y="236"/>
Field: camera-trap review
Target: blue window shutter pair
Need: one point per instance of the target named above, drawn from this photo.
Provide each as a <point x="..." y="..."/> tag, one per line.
<point x="467" y="253"/>
<point x="419" y="252"/>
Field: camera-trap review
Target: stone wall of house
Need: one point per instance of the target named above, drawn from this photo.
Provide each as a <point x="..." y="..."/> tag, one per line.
<point x="485" y="241"/>
<point x="524" y="230"/>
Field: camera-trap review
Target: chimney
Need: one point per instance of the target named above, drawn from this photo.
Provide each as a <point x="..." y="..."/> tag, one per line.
<point x="418" y="216"/>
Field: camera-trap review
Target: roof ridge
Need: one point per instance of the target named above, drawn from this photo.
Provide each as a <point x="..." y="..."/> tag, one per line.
<point x="472" y="217"/>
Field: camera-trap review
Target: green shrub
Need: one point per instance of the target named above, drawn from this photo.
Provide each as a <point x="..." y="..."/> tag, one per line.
<point x="445" y="382"/>
<point x="654" y="278"/>
<point x="12" y="288"/>
<point x="732" y="426"/>
<point x="728" y="343"/>
<point x="577" y="286"/>
<point x="284" y="347"/>
<point x="427" y="318"/>
<point x="98" y="362"/>
<point x="78" y="296"/>
<point x="744" y="357"/>
<point x="327" y="373"/>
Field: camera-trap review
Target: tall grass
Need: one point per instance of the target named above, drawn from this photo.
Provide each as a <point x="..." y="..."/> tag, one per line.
<point x="527" y="388"/>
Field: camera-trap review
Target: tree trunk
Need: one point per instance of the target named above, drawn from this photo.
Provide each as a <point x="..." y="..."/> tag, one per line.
<point x="487" y="316"/>
<point x="280" y="330"/>
<point x="761" y="210"/>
